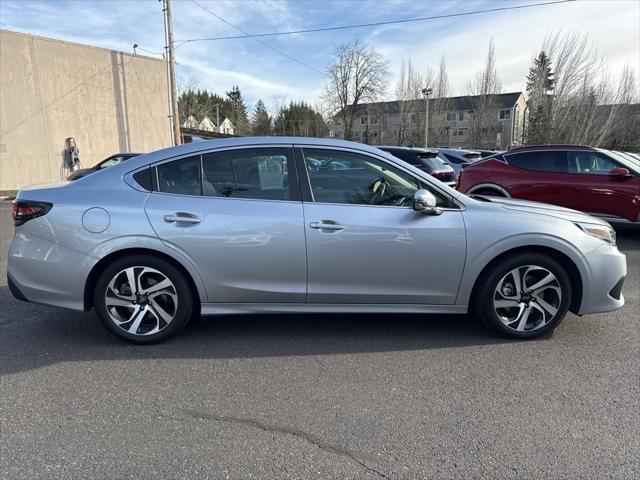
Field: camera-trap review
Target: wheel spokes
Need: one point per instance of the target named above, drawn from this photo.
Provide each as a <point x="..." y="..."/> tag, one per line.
<point x="540" y="284"/>
<point x="535" y="302"/>
<point x="148" y="306"/>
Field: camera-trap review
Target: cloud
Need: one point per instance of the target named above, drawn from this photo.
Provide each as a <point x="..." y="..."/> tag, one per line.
<point x="613" y="27"/>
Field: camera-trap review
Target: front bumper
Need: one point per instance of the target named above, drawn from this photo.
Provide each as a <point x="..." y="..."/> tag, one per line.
<point x="602" y="288"/>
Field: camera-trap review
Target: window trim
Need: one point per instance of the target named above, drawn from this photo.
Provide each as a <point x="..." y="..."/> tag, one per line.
<point x="307" y="191"/>
<point x="294" y="185"/>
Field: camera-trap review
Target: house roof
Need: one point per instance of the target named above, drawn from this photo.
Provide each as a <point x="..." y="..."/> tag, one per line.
<point x="502" y="100"/>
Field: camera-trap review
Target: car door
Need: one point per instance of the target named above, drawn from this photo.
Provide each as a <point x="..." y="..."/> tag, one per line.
<point x="237" y="214"/>
<point x="365" y="243"/>
<point x="537" y="175"/>
<point x="593" y="190"/>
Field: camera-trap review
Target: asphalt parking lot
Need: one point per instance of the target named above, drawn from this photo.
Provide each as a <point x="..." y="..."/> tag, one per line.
<point x="319" y="396"/>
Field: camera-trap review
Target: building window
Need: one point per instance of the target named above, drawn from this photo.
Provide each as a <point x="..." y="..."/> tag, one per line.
<point x="363" y="120"/>
<point x="505" y="114"/>
<point x="451" y="116"/>
<point x="462" y="131"/>
<point x="338" y="121"/>
<point x="374" y="134"/>
<point x="338" y="135"/>
<point x="460" y="116"/>
<point x="374" y="120"/>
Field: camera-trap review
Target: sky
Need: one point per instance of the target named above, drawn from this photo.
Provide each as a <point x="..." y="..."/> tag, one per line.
<point x="613" y="27"/>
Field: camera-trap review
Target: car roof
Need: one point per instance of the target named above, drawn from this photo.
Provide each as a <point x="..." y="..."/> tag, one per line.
<point x="455" y="150"/>
<point x="408" y="149"/>
<point x="525" y="148"/>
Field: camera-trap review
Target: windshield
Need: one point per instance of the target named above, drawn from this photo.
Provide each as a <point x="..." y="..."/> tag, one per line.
<point x="627" y="160"/>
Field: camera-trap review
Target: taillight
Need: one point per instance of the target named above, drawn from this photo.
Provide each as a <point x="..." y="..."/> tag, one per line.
<point x="440" y="174"/>
<point x="25" y="210"/>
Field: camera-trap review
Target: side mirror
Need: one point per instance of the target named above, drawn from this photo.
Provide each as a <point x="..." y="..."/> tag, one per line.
<point x="424" y="201"/>
<point x="619" y="172"/>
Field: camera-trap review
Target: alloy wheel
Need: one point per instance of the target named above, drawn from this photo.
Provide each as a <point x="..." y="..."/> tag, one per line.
<point x="141" y="300"/>
<point x="527" y="298"/>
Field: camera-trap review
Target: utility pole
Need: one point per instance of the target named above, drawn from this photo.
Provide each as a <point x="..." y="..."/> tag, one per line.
<point x="171" y="59"/>
<point x="426" y="92"/>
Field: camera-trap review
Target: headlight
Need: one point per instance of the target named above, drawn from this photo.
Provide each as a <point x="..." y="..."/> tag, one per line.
<point x="603" y="232"/>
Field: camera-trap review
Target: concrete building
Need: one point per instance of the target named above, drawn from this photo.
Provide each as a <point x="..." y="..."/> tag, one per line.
<point x="453" y="122"/>
<point x="50" y="90"/>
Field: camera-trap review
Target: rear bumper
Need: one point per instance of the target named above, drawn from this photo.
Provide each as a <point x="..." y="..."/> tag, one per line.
<point x="15" y="291"/>
<point x="602" y="291"/>
<point x="44" y="272"/>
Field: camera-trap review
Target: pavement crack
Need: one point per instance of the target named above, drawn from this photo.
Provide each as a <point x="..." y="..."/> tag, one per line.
<point x="310" y="438"/>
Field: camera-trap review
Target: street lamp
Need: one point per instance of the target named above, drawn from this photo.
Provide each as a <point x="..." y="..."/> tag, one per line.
<point x="426" y="92"/>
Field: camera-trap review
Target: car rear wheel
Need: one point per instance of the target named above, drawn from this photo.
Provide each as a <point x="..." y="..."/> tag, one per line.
<point x="524" y="296"/>
<point x="143" y="299"/>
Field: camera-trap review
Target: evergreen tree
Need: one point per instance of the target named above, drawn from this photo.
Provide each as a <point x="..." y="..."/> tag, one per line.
<point x="300" y="119"/>
<point x="540" y="84"/>
<point x="201" y="103"/>
<point x="238" y="111"/>
<point x="261" y="121"/>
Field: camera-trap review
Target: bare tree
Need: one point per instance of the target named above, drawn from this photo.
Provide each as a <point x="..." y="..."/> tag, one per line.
<point x="588" y="108"/>
<point x="439" y="107"/>
<point x="483" y="91"/>
<point x="358" y="74"/>
<point x="408" y="93"/>
<point x="624" y="133"/>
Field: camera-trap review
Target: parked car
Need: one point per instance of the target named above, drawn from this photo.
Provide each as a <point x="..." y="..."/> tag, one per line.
<point x="426" y="160"/>
<point x="106" y="163"/>
<point x="458" y="158"/>
<point x="596" y="181"/>
<point x="221" y="227"/>
<point x="487" y="153"/>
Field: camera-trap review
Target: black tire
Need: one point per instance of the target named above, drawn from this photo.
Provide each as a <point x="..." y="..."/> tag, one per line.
<point x="482" y="304"/>
<point x="180" y="285"/>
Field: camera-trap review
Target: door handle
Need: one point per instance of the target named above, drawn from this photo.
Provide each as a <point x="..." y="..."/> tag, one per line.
<point x="182" y="218"/>
<point x="326" y="226"/>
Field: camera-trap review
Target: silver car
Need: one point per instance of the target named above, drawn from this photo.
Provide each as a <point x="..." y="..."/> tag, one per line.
<point x="255" y="225"/>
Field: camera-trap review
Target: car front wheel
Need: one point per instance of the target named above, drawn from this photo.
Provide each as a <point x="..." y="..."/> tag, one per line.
<point x="143" y="299"/>
<point x="524" y="296"/>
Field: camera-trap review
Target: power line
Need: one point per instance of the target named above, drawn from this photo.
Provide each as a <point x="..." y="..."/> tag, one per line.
<point x="248" y="35"/>
<point x="365" y="25"/>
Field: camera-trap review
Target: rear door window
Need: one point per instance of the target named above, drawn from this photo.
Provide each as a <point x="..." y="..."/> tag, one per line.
<point x="180" y="177"/>
<point x="256" y="173"/>
<point x="540" y="161"/>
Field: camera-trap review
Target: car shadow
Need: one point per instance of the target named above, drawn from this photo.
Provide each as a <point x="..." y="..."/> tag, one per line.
<point x="34" y="336"/>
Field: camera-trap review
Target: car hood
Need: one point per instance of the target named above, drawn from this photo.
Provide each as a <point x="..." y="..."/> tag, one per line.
<point x="542" y="209"/>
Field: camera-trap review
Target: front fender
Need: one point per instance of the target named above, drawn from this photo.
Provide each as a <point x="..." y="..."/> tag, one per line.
<point x="481" y="257"/>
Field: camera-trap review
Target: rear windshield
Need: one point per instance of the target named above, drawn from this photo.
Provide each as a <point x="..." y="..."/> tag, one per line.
<point x="428" y="160"/>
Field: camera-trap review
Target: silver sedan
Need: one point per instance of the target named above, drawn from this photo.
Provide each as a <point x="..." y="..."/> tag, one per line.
<point x="254" y="225"/>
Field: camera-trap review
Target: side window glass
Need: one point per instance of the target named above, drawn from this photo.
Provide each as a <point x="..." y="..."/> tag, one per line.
<point x="590" y="163"/>
<point x="541" y="161"/>
<point x="351" y="178"/>
<point x="256" y="173"/>
<point x="181" y="177"/>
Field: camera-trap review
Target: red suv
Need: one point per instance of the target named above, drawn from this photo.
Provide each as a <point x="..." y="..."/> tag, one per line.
<point x="596" y="181"/>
